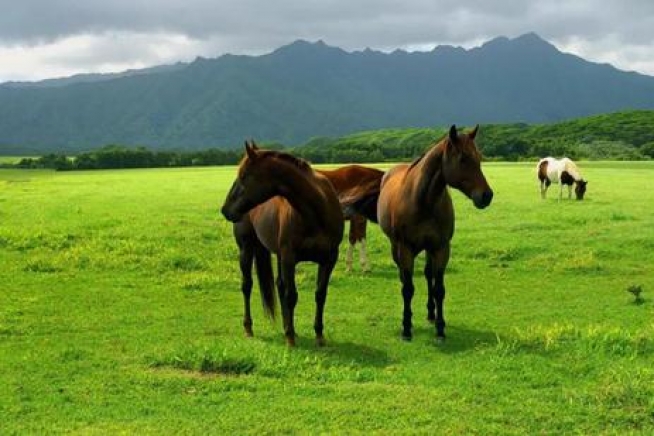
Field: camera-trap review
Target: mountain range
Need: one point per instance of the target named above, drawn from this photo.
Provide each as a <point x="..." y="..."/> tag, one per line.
<point x="310" y="89"/>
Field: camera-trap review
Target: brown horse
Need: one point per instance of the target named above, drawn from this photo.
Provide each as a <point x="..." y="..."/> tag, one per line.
<point x="346" y="180"/>
<point x="280" y="205"/>
<point x="415" y="211"/>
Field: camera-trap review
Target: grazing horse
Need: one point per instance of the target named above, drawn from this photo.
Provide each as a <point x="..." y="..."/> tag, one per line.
<point x="563" y="172"/>
<point x="346" y="179"/>
<point x="280" y="205"/>
<point x="415" y="211"/>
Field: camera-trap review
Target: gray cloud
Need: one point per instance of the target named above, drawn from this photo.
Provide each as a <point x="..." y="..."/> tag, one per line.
<point x="605" y="29"/>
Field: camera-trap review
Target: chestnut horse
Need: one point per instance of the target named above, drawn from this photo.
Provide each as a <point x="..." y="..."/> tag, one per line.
<point x="346" y="179"/>
<point x="563" y="172"/>
<point x="415" y="211"/>
<point x="279" y="205"/>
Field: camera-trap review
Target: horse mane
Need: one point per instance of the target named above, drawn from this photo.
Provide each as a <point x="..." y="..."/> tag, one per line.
<point x="433" y="147"/>
<point x="296" y="161"/>
<point x="571" y="168"/>
<point x="427" y="184"/>
<point x="416" y="161"/>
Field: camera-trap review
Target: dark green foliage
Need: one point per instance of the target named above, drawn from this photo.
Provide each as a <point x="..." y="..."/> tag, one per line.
<point x="636" y="291"/>
<point x="620" y="136"/>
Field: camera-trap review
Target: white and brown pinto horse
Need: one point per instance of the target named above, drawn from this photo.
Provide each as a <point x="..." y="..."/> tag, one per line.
<point x="561" y="171"/>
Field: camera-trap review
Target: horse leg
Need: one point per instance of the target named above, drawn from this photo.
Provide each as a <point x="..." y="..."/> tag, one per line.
<point x="440" y="259"/>
<point x="280" y="282"/>
<point x="560" y="190"/>
<point x="246" y="257"/>
<point x="348" y="258"/>
<point x="322" y="282"/>
<point x="544" y="185"/>
<point x="362" y="224"/>
<point x="289" y="299"/>
<point x="431" y="292"/>
<point x="569" y="192"/>
<point x="363" y="256"/>
<point x="404" y="260"/>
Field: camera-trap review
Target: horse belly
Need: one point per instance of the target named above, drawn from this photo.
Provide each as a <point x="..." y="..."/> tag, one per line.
<point x="553" y="175"/>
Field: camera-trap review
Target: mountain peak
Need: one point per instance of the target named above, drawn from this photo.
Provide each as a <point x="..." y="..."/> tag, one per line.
<point x="528" y="41"/>
<point x="302" y="46"/>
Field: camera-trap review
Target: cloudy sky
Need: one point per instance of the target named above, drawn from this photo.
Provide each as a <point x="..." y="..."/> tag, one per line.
<point x="55" y="38"/>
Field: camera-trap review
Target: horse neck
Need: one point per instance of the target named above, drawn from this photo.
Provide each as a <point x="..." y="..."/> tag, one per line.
<point x="306" y="194"/>
<point x="431" y="182"/>
<point x="571" y="169"/>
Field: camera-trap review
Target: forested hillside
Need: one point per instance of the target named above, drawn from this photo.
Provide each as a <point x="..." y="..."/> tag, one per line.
<point x="622" y="135"/>
<point x="307" y="90"/>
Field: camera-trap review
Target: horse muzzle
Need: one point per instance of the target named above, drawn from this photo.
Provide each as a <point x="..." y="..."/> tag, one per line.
<point x="231" y="215"/>
<point x="483" y="199"/>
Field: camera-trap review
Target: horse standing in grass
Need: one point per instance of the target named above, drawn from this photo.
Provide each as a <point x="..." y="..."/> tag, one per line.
<point x="347" y="179"/>
<point x="563" y="172"/>
<point x="279" y="205"/>
<point x="415" y="211"/>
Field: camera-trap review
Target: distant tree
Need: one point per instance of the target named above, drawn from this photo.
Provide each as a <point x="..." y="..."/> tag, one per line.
<point x="647" y="149"/>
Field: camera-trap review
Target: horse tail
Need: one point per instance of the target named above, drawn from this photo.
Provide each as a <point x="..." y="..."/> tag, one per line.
<point x="362" y="200"/>
<point x="365" y="206"/>
<point x="263" y="264"/>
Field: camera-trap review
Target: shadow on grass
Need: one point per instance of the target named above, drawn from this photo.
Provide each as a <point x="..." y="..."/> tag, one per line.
<point x="459" y="338"/>
<point x="338" y="352"/>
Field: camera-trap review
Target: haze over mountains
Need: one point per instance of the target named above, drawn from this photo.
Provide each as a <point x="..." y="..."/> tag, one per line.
<point x="305" y="90"/>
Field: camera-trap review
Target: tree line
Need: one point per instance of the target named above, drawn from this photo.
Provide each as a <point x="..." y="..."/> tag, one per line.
<point x="619" y="136"/>
<point x="118" y="156"/>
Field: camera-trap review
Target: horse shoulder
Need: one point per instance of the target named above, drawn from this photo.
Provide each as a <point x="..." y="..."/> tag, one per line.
<point x="267" y="221"/>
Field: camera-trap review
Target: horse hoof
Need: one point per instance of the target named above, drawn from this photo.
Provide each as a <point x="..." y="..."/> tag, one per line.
<point x="440" y="340"/>
<point x="406" y="338"/>
<point x="249" y="334"/>
<point x="320" y="341"/>
<point x="431" y="319"/>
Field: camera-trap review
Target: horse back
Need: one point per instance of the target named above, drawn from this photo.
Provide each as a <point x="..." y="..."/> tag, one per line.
<point x="348" y="176"/>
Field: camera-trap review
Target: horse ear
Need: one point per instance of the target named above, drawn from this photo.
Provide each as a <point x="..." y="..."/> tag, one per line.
<point x="454" y="137"/>
<point x="253" y="145"/>
<point x="474" y="132"/>
<point x="251" y="150"/>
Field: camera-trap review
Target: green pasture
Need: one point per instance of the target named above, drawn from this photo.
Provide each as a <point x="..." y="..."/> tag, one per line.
<point x="121" y="311"/>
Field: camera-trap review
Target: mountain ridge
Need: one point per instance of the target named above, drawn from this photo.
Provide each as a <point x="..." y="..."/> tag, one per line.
<point x="306" y="89"/>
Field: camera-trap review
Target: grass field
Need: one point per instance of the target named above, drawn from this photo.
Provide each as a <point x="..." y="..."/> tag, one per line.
<point x="120" y="312"/>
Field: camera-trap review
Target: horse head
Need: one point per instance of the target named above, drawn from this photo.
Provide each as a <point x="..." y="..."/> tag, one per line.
<point x="580" y="188"/>
<point x="462" y="167"/>
<point x="251" y="187"/>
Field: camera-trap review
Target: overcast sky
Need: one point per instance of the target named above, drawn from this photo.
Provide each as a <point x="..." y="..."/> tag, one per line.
<point x="55" y="38"/>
